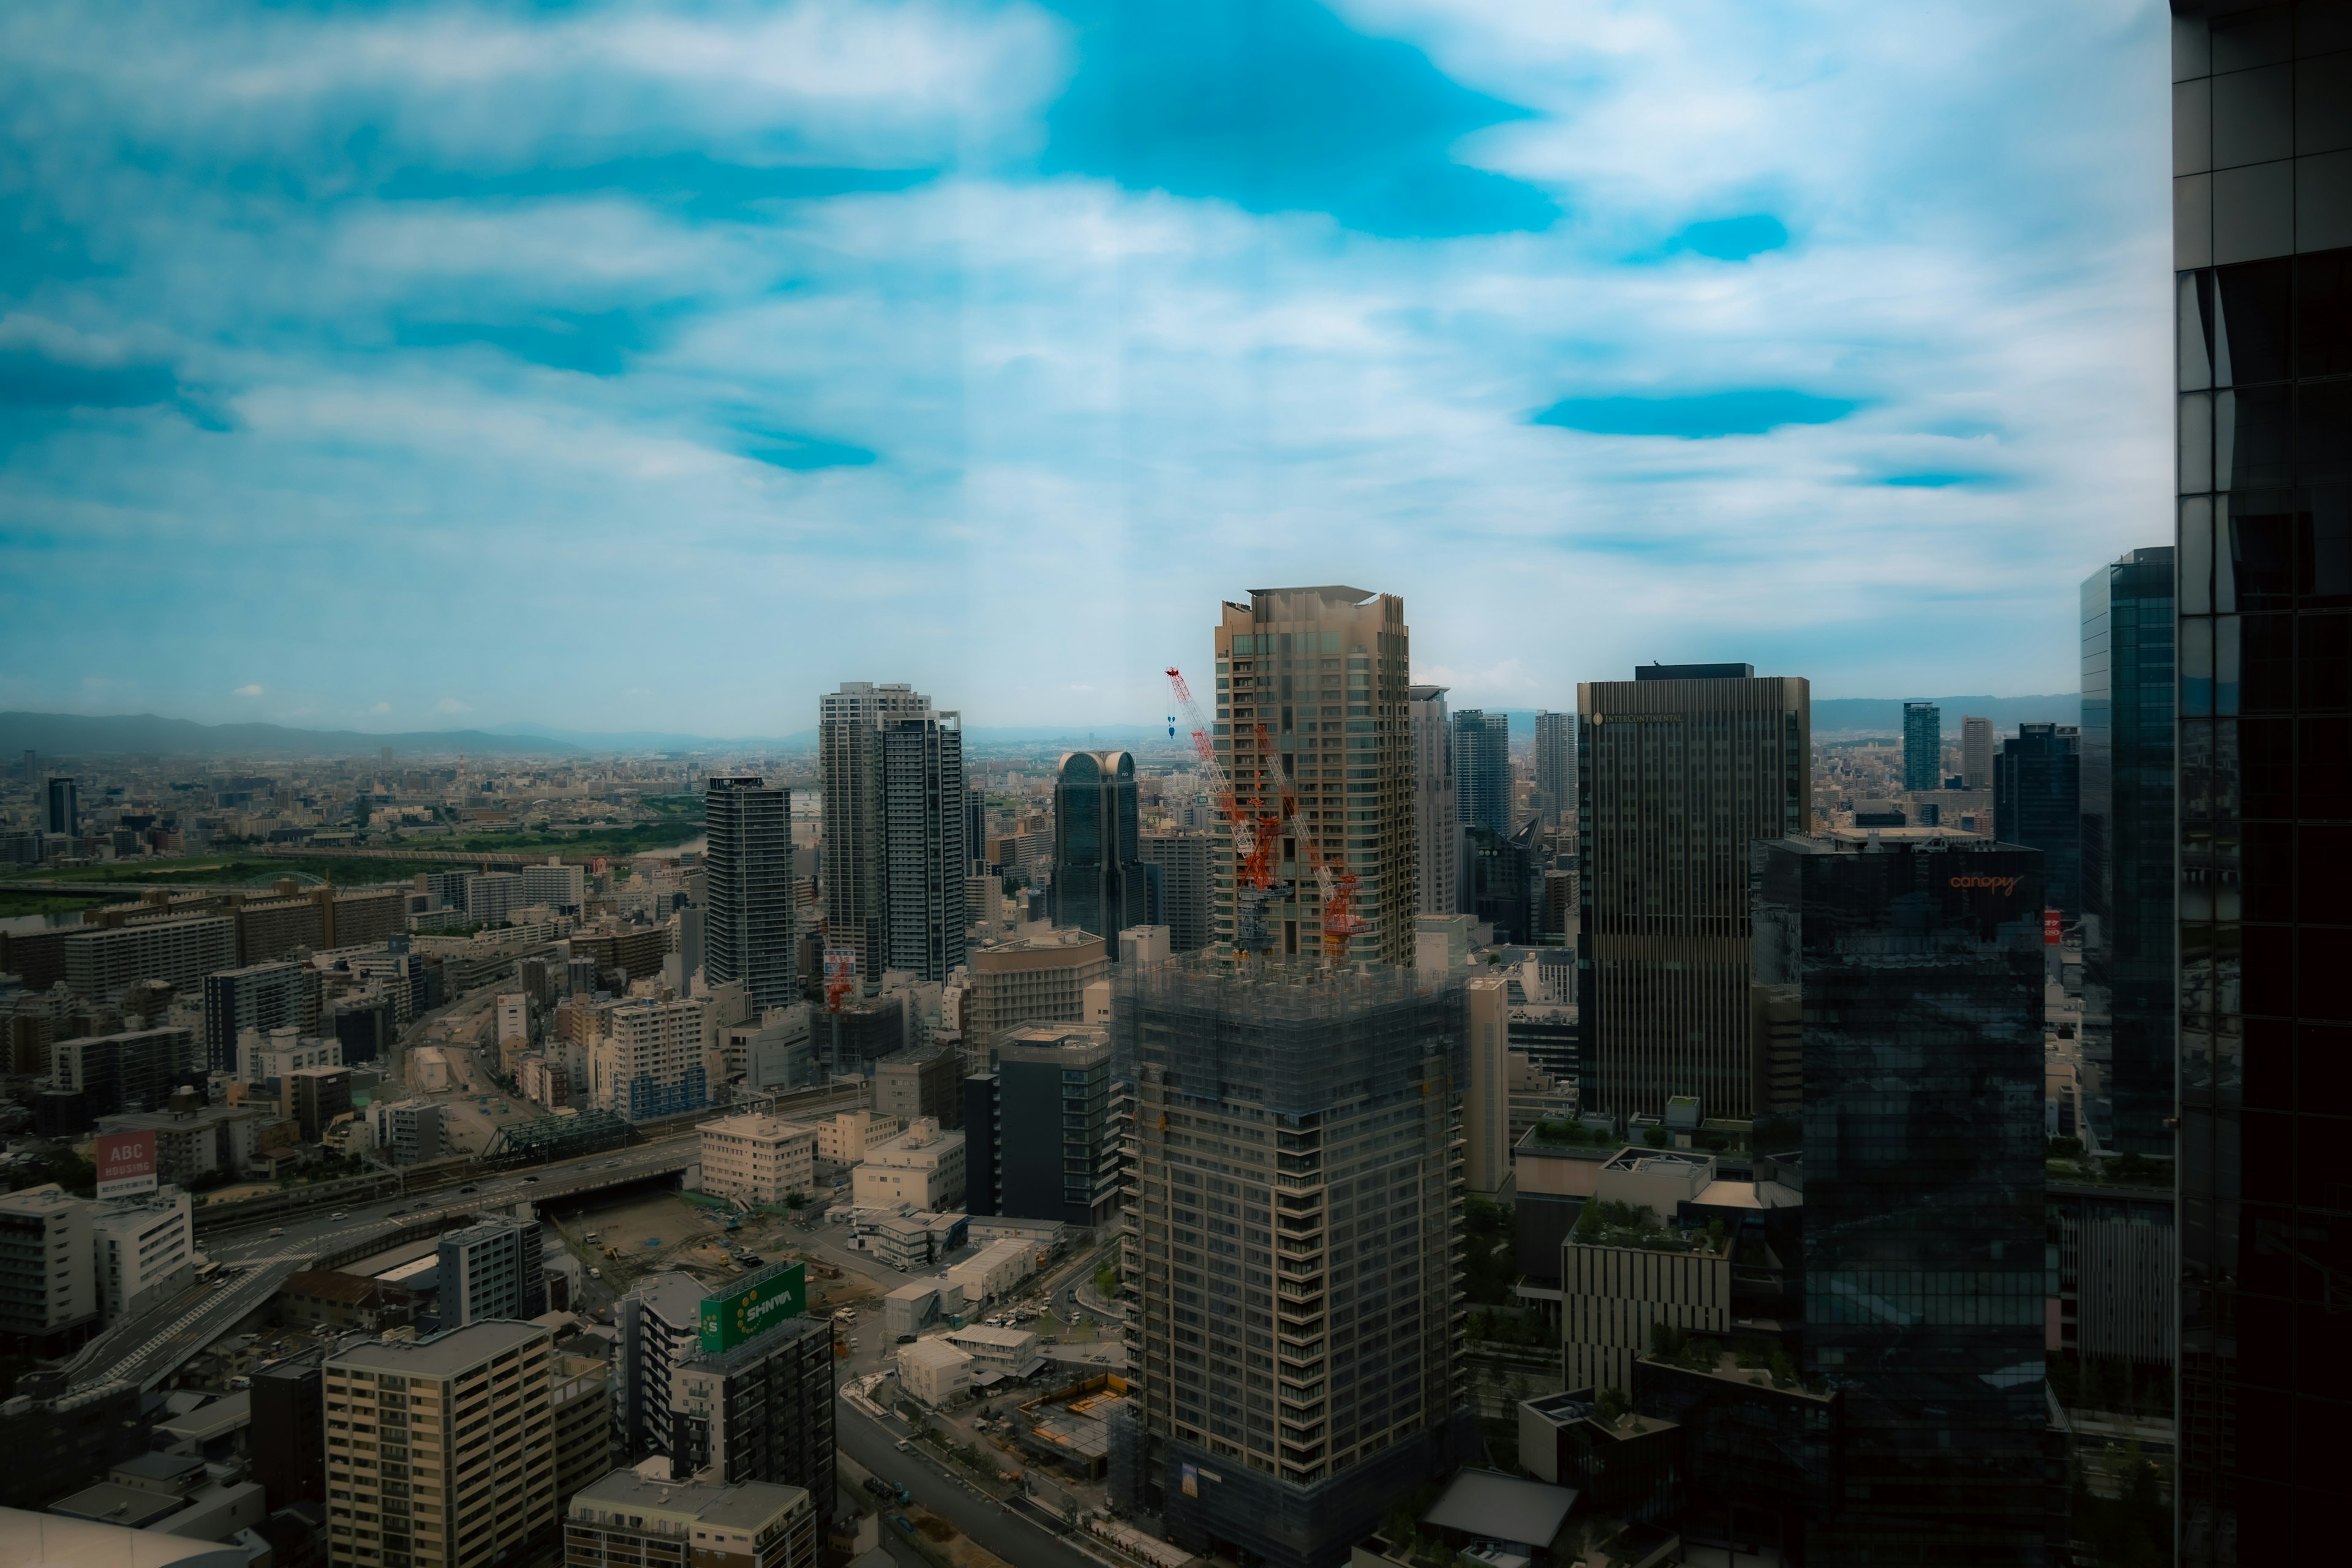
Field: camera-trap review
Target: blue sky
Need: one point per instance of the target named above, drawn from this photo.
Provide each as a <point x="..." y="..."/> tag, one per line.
<point x="614" y="366"/>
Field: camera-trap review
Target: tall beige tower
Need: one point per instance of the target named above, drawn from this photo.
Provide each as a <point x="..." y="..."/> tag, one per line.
<point x="1324" y="673"/>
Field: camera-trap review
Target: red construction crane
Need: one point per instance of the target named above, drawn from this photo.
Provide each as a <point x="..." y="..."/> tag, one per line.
<point x="1254" y="827"/>
<point x="1337" y="883"/>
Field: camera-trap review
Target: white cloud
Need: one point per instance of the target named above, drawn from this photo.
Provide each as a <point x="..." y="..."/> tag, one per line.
<point x="451" y="705"/>
<point x="249" y="690"/>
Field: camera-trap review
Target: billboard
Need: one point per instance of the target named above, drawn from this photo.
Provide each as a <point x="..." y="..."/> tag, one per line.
<point x="754" y="1308"/>
<point x="126" y="1163"/>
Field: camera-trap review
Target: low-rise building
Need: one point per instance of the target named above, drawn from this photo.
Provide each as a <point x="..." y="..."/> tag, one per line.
<point x="934" y="1371"/>
<point x="997" y="1270"/>
<point x="1629" y="1264"/>
<point x="922" y="1167"/>
<point x="760" y="1159"/>
<point x="544" y="1082"/>
<point x="196" y="1141"/>
<point x="407" y="1131"/>
<point x="142" y="1250"/>
<point x="315" y="1299"/>
<point x="842" y="1141"/>
<point x="910" y="1241"/>
<point x="626" y="1517"/>
<point x="997" y="1349"/>
<point x="917" y="1304"/>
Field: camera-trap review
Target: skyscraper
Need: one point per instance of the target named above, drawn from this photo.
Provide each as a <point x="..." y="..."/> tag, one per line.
<point x="923" y="814"/>
<point x="2263" y="252"/>
<point x="2037" y="802"/>
<point x="2128" y="834"/>
<point x="264" y="997"/>
<point x="1976" y="752"/>
<point x="1917" y="963"/>
<point x="64" y="807"/>
<point x="852" y="761"/>
<point x="1555" y="766"/>
<point x="1437" y="831"/>
<point x="1481" y="770"/>
<point x="1324" y="673"/>
<point x="1923" y="746"/>
<point x="1185" y="863"/>
<point x="1101" y="884"/>
<point x="746" y="889"/>
<point x="1304" y="1130"/>
<point x="1678" y="770"/>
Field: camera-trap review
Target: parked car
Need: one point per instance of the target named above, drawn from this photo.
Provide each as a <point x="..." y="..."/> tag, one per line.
<point x="530" y="1178"/>
<point x="466" y="1189"/>
<point x="903" y="1339"/>
<point x="341" y="1214"/>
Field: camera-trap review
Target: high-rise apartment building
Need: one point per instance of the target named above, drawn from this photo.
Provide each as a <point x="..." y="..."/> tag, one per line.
<point x="135" y="1071"/>
<point x="1323" y="672"/>
<point x="142" y="1251"/>
<point x="1100" y="883"/>
<point x="289" y="1432"/>
<point x="924" y="851"/>
<point x="2037" y="802"/>
<point x="64" y="807"/>
<point x="1185" y="862"/>
<point x="562" y="886"/>
<point x="851" y="765"/>
<point x="263" y="996"/>
<point x="1923" y="746"/>
<point x="1437" y="825"/>
<point x="492" y="1270"/>
<point x="1047" y="1152"/>
<point x="441" y="1452"/>
<point x="47" y="1285"/>
<point x="1678" y="771"/>
<point x="1295" y="1187"/>
<point x="2262" y="250"/>
<point x="1918" y="968"/>
<point x="1039" y="979"/>
<point x="2128" y="832"/>
<point x="1555" y="766"/>
<point x="652" y="1059"/>
<point x="759" y="1411"/>
<point x="1976" y="752"/>
<point x="1481" y="770"/>
<point x="103" y="962"/>
<point x="625" y="1517"/>
<point x="746" y="889"/>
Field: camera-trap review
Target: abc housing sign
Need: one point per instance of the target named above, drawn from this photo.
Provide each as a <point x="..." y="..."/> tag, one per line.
<point x="754" y="1308"/>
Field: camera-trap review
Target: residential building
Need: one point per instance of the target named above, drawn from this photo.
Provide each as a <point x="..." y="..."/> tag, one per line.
<point x="759" y="1411"/>
<point x="1923" y="746"/>
<point x="1048" y="1151"/>
<point x="195" y="1141"/>
<point x="544" y="1082"/>
<point x="440" y="1452"/>
<point x="652" y="1058"/>
<point x="492" y="1270"/>
<point x="262" y="996"/>
<point x="134" y="1070"/>
<point x="102" y="963"/>
<point x="270" y="928"/>
<point x="2127" y="831"/>
<point x="1481" y="770"/>
<point x="922" y="1166"/>
<point x="924" y="854"/>
<point x="851" y="768"/>
<point x="1976" y="752"/>
<point x="2037" y="803"/>
<point x="934" y="1372"/>
<point x="2262" y="251"/>
<point x="289" y="1432"/>
<point x="1682" y="765"/>
<point x="1335" y="658"/>
<point x="556" y="885"/>
<point x="759" y="1159"/>
<point x="1101" y="884"/>
<point x="315" y="1096"/>
<point x="581" y="1394"/>
<point x="493" y="897"/>
<point x="843" y="1139"/>
<point x="325" y="1302"/>
<point x="1437" y="825"/>
<point x="1486" y="1097"/>
<point x="635" y="951"/>
<point x="1918" y="960"/>
<point x="747" y="887"/>
<point x="913" y="1084"/>
<point x="274" y="1057"/>
<point x="407" y="1131"/>
<point x="1304" y="1128"/>
<point x="47" y="1283"/>
<point x="660" y="1323"/>
<point x="1033" y="979"/>
<point x="1555" y="767"/>
<point x="1184" y="862"/>
<point x="626" y="1517"/>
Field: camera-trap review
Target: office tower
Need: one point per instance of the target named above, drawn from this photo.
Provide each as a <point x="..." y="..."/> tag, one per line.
<point x="915" y="1083"/>
<point x="975" y="830"/>
<point x="1437" y="832"/>
<point x="625" y="1517"/>
<point x="440" y="1452"/>
<point x="925" y="856"/>
<point x="314" y="1097"/>
<point x="263" y="996"/>
<point x="47" y="1285"/>
<point x="850" y="724"/>
<point x="65" y="807"/>
<point x="1310" y="1125"/>
<point x="1555" y="766"/>
<point x="651" y="1061"/>
<point x="746" y="889"/>
<point x="1917" y="963"/>
<point x="1976" y="752"/>
<point x="1039" y="979"/>
<point x="1682" y="766"/>
<point x="1186" y="863"/>
<point x="1099" y="885"/>
<point x="2263" y="255"/>
<point x="1481" y="770"/>
<point x="1923" y="746"/>
<point x="2127" y="831"/>
<point x="492" y="1270"/>
<point x="2037" y="802"/>
<point x="1486" y="1097"/>
<point x="1049" y="1151"/>
<point x="289" y="1432"/>
<point x="1500" y="879"/>
<point x="759" y="1411"/>
<point x="101" y="964"/>
<point x="1324" y="673"/>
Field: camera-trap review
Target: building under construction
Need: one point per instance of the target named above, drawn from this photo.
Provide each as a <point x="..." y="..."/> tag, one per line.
<point x="1295" y="1201"/>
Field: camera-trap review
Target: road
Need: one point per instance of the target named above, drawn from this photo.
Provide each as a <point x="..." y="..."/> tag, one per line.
<point x="1015" y="1537"/>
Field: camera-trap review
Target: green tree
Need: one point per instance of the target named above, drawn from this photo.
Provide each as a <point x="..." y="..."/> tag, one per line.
<point x="1655" y="1137"/>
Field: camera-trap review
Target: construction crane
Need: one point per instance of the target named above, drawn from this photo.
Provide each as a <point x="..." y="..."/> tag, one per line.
<point x="1253" y="828"/>
<point x="1336" y="883"/>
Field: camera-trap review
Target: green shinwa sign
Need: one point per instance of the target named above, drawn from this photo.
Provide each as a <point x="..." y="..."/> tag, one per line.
<point x="754" y="1307"/>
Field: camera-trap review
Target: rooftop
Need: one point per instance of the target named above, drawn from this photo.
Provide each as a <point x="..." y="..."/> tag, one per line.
<point x="445" y="1354"/>
<point x="745" y="1505"/>
<point x="355" y="1290"/>
<point x="1502" y="1507"/>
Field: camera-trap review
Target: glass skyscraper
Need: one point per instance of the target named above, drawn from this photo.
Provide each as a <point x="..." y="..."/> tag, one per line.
<point x="2263" y="253"/>
<point x="2037" y="801"/>
<point x="1482" y="769"/>
<point x="1101" y="884"/>
<point x="1918" y="965"/>
<point x="2126" y="838"/>
<point x="1923" y="746"/>
<point x="746" y="889"/>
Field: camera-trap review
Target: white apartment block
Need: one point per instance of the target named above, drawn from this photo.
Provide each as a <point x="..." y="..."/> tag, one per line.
<point x="493" y="896"/>
<point x="100" y="965"/>
<point x="843" y="1140"/>
<point x="46" y="1279"/>
<point x="407" y="1131"/>
<point x="654" y="1058"/>
<point x="565" y="887"/>
<point x="513" y="1015"/>
<point x="922" y="1166"/>
<point x="759" y="1159"/>
<point x="282" y="1052"/>
<point x="143" y="1251"/>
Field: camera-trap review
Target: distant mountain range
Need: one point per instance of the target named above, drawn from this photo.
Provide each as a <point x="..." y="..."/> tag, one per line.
<point x="133" y="735"/>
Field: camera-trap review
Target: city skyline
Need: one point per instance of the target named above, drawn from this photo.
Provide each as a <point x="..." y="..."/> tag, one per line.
<point x="887" y="318"/>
